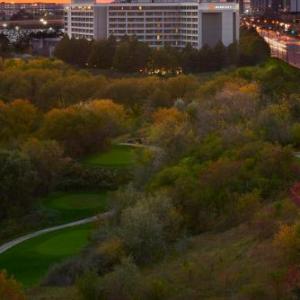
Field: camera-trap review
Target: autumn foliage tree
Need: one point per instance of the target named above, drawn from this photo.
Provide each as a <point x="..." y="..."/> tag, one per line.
<point x="287" y="241"/>
<point x="18" y="180"/>
<point x="17" y="120"/>
<point x="86" y="127"/>
<point x="10" y="289"/>
<point x="171" y="131"/>
<point x="48" y="159"/>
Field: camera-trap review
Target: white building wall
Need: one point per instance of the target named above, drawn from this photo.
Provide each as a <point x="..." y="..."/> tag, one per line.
<point x="200" y="30"/>
<point x="227" y="28"/>
<point x="100" y="23"/>
<point x="158" y="24"/>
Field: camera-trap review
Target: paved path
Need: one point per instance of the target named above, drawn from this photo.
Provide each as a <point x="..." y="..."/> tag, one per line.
<point x="154" y="148"/>
<point x="29" y="236"/>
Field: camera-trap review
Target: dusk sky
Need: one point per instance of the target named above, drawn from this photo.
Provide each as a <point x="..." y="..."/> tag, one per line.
<point x="47" y="1"/>
<point x="31" y="1"/>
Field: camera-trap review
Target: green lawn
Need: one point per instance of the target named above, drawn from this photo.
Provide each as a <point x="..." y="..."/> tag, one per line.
<point x="117" y="156"/>
<point x="71" y="206"/>
<point x="30" y="260"/>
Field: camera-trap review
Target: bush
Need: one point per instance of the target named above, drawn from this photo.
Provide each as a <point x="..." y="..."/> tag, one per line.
<point x="148" y="227"/>
<point x="10" y="289"/>
<point x="264" y="223"/>
<point x="87" y="286"/>
<point x="80" y="128"/>
<point x="77" y="176"/>
<point x="254" y="292"/>
<point x="287" y="241"/>
<point x="18" y="180"/>
<point x="123" y="284"/>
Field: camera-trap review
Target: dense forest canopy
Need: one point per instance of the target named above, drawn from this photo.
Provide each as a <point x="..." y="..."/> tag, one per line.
<point x="131" y="55"/>
<point x="216" y="176"/>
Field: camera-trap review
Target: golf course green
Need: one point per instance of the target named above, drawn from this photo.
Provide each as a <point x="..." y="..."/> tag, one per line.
<point x="118" y="156"/>
<point x="29" y="261"/>
<point x="72" y="206"/>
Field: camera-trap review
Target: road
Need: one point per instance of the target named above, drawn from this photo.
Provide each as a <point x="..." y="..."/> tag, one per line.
<point x="29" y="236"/>
<point x="282" y="46"/>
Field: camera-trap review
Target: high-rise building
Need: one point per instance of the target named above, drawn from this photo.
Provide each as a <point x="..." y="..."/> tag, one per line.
<point x="291" y="6"/>
<point x="267" y="7"/>
<point x="156" y="22"/>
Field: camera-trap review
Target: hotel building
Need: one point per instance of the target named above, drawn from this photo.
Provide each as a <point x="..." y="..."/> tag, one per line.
<point x="156" y="22"/>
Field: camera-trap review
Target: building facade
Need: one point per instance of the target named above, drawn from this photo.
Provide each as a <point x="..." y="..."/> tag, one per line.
<point x="291" y="6"/>
<point x="9" y="10"/>
<point x="158" y="23"/>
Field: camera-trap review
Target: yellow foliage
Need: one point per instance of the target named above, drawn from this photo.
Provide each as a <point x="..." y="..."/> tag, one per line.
<point x="250" y="88"/>
<point x="112" y="248"/>
<point x="287" y="240"/>
<point x="165" y="115"/>
<point x="10" y="289"/>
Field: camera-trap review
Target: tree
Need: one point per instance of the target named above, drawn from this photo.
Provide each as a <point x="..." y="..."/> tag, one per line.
<point x="4" y="45"/>
<point x="62" y="49"/>
<point x="131" y="55"/>
<point x="148" y="227"/>
<point x="252" y="48"/>
<point x="22" y="43"/>
<point x="10" y="289"/>
<point x="102" y="53"/>
<point x="190" y="59"/>
<point x="274" y="122"/>
<point x="123" y="57"/>
<point x="73" y="51"/>
<point x="85" y="128"/>
<point x="164" y="59"/>
<point x="18" y="119"/>
<point x="232" y="54"/>
<point x="48" y="159"/>
<point x="287" y="241"/>
<point x="219" y="56"/>
<point x="18" y="180"/>
<point x="171" y="130"/>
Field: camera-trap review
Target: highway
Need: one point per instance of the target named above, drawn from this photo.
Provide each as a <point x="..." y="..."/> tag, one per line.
<point x="282" y="46"/>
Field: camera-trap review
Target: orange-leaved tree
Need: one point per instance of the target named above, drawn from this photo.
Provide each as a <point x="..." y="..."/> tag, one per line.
<point x="10" y="289"/>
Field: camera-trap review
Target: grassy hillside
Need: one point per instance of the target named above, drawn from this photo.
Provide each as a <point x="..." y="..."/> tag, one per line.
<point x="117" y="156"/>
<point x="71" y="206"/>
<point x="29" y="261"/>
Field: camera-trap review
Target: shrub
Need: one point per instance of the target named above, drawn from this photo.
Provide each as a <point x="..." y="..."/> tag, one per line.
<point x="77" y="176"/>
<point x="87" y="286"/>
<point x="10" y="289"/>
<point x="264" y="223"/>
<point x="112" y="249"/>
<point x="254" y="292"/>
<point x="148" y="227"/>
<point x="67" y="272"/>
<point x="287" y="240"/>
<point x="121" y="284"/>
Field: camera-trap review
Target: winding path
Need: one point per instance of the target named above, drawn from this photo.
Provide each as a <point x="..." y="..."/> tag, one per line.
<point x="29" y="236"/>
<point x="19" y="240"/>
